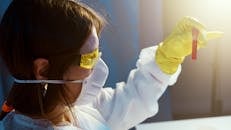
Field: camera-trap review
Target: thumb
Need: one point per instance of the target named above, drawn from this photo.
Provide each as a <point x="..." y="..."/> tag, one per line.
<point x="206" y="36"/>
<point x="214" y="35"/>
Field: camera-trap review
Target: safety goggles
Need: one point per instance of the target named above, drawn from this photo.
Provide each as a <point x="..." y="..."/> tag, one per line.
<point x="89" y="60"/>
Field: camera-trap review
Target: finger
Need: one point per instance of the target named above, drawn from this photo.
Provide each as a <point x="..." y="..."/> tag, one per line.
<point x="191" y="22"/>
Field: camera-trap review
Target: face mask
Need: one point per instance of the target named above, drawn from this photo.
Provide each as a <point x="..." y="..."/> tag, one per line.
<point x="91" y="85"/>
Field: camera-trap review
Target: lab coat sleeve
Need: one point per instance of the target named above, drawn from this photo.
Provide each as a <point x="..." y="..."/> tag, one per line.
<point x="130" y="103"/>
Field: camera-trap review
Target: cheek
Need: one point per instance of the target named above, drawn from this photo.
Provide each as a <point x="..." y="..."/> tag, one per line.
<point x="76" y="73"/>
<point x="73" y="91"/>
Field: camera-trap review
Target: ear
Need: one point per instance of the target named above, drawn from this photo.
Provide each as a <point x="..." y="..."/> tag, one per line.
<point x="41" y="66"/>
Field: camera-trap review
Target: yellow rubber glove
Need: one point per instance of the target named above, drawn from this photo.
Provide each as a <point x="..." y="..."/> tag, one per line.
<point x="172" y="51"/>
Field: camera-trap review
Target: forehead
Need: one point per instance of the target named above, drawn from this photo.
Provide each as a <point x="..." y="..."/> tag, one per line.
<point x="91" y="43"/>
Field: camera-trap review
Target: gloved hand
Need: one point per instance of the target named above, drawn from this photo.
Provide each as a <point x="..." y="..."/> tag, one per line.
<point x="172" y="51"/>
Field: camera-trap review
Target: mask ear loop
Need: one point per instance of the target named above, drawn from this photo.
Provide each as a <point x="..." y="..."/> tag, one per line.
<point x="45" y="81"/>
<point x="41" y="95"/>
<point x="44" y="88"/>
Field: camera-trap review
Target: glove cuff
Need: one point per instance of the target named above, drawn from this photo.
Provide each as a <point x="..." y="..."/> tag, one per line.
<point x="167" y="64"/>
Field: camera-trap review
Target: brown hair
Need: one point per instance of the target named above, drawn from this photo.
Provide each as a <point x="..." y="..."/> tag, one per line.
<point x="50" y="29"/>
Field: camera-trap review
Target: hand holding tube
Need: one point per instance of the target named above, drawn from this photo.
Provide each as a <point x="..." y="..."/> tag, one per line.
<point x="172" y="51"/>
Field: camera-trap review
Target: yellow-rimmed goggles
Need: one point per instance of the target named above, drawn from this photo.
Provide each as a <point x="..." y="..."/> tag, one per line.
<point x="89" y="60"/>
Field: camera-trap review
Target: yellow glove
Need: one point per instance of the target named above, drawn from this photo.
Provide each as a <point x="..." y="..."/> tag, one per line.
<point x="172" y="51"/>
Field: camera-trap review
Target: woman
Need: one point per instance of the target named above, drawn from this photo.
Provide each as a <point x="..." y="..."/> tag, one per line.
<point x="51" y="48"/>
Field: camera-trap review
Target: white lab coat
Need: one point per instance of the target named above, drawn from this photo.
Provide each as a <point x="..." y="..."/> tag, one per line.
<point x="115" y="109"/>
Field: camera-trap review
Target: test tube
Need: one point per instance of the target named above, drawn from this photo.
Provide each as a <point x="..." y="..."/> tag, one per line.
<point x="195" y="33"/>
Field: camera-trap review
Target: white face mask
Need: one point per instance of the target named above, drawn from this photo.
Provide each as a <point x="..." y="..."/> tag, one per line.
<point x="91" y="86"/>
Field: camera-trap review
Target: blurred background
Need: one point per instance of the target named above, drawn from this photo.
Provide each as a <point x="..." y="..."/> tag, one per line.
<point x="203" y="88"/>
